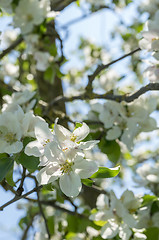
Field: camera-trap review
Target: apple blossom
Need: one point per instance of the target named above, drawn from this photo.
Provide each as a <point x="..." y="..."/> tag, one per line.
<point x="68" y="139"/>
<point x="22" y="98"/>
<point x="10" y="133"/>
<point x="116" y="216"/>
<point x="28" y="15"/>
<point x="68" y="166"/>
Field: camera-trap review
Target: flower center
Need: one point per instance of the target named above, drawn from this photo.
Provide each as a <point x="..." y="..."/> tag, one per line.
<point x="10" y="138"/>
<point x="45" y="142"/>
<point x="7" y="136"/>
<point x="73" y="138"/>
<point x="29" y="17"/>
<point x="66" y="167"/>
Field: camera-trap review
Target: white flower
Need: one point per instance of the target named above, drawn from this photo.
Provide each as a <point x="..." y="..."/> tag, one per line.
<point x="20" y="98"/>
<point x="28" y="15"/>
<point x="9" y="36"/>
<point x="32" y="41"/>
<point x="149" y="176"/>
<point x="29" y="122"/>
<point x="6" y="5"/>
<point x="68" y="139"/>
<point x="117" y="215"/>
<point x="69" y="168"/>
<point x="151" y="37"/>
<point x="108" y="80"/>
<point x="43" y="135"/>
<point x="10" y="133"/>
<point x="43" y="59"/>
<point x="146" y="219"/>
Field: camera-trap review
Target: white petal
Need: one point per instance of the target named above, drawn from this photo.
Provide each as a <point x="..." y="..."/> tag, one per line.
<point x="124" y="232"/>
<point x="34" y="148"/>
<point x="109" y="230"/>
<point x="43" y="133"/>
<point x="44" y="178"/>
<point x="81" y="132"/>
<point x="14" y="147"/>
<point x="61" y="133"/>
<point x="70" y="184"/>
<point x="87" y="145"/>
<point x="85" y="168"/>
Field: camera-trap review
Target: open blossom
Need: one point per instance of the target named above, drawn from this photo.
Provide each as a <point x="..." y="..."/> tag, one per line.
<point x="10" y="133"/>
<point x="5" y="5"/>
<point x="149" y="176"/>
<point x="150" y="39"/>
<point x="28" y="15"/>
<point x="43" y="135"/>
<point x="21" y="98"/>
<point x="125" y="121"/>
<point x="42" y="60"/>
<point x="116" y="214"/>
<point x="68" y="139"/>
<point x="69" y="167"/>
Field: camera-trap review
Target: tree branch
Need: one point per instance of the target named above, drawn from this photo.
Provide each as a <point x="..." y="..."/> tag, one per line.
<point x="109" y="95"/>
<point x="11" y="47"/>
<point x="20" y="188"/>
<point x="16" y="198"/>
<point x="104" y="66"/>
<point x="42" y="213"/>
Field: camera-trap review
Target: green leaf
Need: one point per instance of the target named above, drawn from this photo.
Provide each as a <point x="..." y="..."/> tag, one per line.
<point x="148" y="199"/>
<point x="9" y="177"/>
<point x="152" y="233"/>
<point x="87" y="182"/>
<point x="5" y="165"/>
<point x="78" y="125"/>
<point x="104" y="172"/>
<point x="111" y="148"/>
<point x="29" y="162"/>
<point x="50" y="222"/>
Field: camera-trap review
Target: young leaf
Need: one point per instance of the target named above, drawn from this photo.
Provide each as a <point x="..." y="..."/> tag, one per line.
<point x="5" y="165"/>
<point x="87" y="182"/>
<point x="104" y="172"/>
<point x="29" y="162"/>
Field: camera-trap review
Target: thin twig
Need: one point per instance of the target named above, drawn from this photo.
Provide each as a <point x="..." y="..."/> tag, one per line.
<point x="20" y="188"/>
<point x="11" y="47"/>
<point x="16" y="198"/>
<point x="42" y="213"/>
<point x="53" y="204"/>
<point x="101" y="67"/>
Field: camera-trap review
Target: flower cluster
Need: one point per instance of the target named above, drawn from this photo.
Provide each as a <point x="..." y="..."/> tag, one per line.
<point x="61" y="153"/>
<point x="125" y="216"/>
<point x="125" y="121"/>
<point x="149" y="176"/>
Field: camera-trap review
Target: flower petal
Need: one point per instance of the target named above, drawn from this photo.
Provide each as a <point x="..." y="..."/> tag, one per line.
<point x="70" y="184"/>
<point x="85" y="167"/>
<point x="45" y="177"/>
<point x="81" y="132"/>
<point x="34" y="148"/>
<point x="110" y="229"/>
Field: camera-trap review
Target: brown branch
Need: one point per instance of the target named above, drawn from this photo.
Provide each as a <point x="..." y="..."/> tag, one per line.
<point x="42" y="213"/>
<point x="101" y="67"/>
<point x="16" y="198"/>
<point x="20" y="188"/>
<point x="11" y="47"/>
<point x="53" y="204"/>
<point x="108" y="96"/>
<point x="25" y="233"/>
